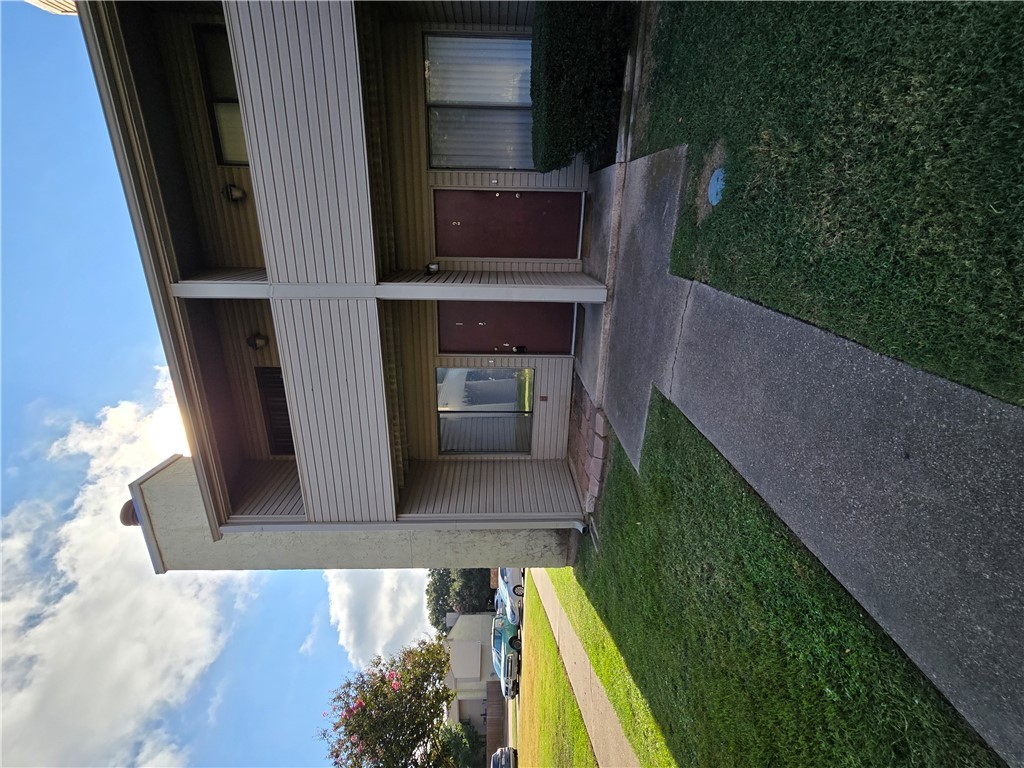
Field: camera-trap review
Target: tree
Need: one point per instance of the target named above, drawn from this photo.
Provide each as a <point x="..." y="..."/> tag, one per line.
<point x="461" y="746"/>
<point x="466" y="590"/>
<point x="439" y="601"/>
<point x="471" y="590"/>
<point x="391" y="714"/>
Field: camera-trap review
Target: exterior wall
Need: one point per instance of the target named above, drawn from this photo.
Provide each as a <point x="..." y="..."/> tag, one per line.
<point x="417" y="339"/>
<point x="394" y="403"/>
<point x="236" y="321"/>
<point x="471" y="14"/>
<point x="228" y="231"/>
<point x="170" y="508"/>
<point x="507" y="265"/>
<point x="303" y="119"/>
<point x="411" y="181"/>
<point x="334" y="382"/>
<point x="371" y="67"/>
<point x="472" y="632"/>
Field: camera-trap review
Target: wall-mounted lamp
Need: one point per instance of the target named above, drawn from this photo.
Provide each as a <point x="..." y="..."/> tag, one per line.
<point x="233" y="194"/>
<point x="257" y="341"/>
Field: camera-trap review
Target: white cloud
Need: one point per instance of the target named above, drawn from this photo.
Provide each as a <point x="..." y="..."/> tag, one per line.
<point x="96" y="647"/>
<point x="213" y="708"/>
<point x="377" y="612"/>
<point x="306" y="649"/>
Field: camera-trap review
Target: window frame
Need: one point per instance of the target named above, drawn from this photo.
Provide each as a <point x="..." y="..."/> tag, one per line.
<point x="528" y="411"/>
<point x="199" y="33"/>
<point x="427" y="104"/>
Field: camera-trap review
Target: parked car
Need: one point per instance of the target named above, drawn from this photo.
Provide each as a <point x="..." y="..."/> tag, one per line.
<point x="505" y="757"/>
<point x="505" y="647"/>
<point x="509" y="597"/>
<point x="502" y="608"/>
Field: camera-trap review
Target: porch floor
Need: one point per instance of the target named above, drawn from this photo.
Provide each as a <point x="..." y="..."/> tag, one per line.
<point x="501" y="487"/>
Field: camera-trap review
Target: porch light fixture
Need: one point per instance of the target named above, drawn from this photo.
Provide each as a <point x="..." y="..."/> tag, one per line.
<point x="432" y="268"/>
<point x="233" y="194"/>
<point x="257" y="341"/>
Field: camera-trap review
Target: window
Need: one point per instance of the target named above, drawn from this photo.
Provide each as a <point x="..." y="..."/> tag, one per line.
<point x="270" y="383"/>
<point x="478" y="102"/>
<point x="484" y="410"/>
<point x="221" y="95"/>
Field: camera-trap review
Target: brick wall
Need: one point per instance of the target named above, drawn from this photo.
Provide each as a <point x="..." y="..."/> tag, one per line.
<point x="589" y="437"/>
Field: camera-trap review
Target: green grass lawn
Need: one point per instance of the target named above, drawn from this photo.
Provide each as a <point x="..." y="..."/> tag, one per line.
<point x="874" y="159"/>
<point x="626" y="698"/>
<point x="740" y="647"/>
<point x="551" y="730"/>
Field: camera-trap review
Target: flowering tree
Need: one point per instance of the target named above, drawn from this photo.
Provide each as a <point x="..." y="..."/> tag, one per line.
<point x="392" y="713"/>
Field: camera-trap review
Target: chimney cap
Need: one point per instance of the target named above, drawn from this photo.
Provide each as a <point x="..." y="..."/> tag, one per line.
<point x="129" y="515"/>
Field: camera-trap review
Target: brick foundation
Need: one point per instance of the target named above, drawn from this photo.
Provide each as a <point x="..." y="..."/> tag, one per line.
<point x="589" y="435"/>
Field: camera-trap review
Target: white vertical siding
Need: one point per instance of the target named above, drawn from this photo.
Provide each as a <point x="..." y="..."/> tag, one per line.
<point x="491" y="487"/>
<point x="334" y="382"/>
<point x="298" y="83"/>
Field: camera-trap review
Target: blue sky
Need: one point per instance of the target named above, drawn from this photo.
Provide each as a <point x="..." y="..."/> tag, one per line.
<point x="105" y="662"/>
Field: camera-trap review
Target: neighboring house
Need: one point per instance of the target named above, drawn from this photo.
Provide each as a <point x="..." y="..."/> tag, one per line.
<point x="478" y="700"/>
<point x="291" y="170"/>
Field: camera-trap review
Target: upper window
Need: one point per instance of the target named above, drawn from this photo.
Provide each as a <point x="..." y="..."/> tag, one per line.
<point x="221" y="95"/>
<point x="478" y="102"/>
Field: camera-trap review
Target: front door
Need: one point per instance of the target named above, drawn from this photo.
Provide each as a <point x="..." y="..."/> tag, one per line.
<point x="475" y="224"/>
<point x="504" y="327"/>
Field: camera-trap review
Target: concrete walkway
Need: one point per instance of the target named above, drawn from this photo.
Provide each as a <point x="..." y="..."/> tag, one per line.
<point x="909" y="488"/>
<point x="606" y="736"/>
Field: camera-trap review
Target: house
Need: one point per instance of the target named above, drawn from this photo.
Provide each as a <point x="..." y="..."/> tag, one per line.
<point x="365" y="294"/>
<point x="478" y="700"/>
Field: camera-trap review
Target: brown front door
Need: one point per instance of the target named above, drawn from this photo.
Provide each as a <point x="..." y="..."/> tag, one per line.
<point x="475" y="224"/>
<point x="504" y="327"/>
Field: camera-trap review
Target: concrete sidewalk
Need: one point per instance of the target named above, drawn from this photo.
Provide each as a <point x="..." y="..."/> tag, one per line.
<point x="909" y="488"/>
<point x="606" y="736"/>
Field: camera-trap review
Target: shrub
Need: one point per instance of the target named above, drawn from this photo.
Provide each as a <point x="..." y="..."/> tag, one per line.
<point x="579" y="59"/>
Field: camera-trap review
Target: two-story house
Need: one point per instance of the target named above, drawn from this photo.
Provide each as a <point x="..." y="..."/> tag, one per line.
<point x="365" y="293"/>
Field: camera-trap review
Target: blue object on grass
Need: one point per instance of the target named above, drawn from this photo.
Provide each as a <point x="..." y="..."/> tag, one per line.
<point x="716" y="186"/>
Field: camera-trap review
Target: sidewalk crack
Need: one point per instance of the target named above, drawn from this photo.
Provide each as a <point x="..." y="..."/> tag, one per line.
<point x="679" y="343"/>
